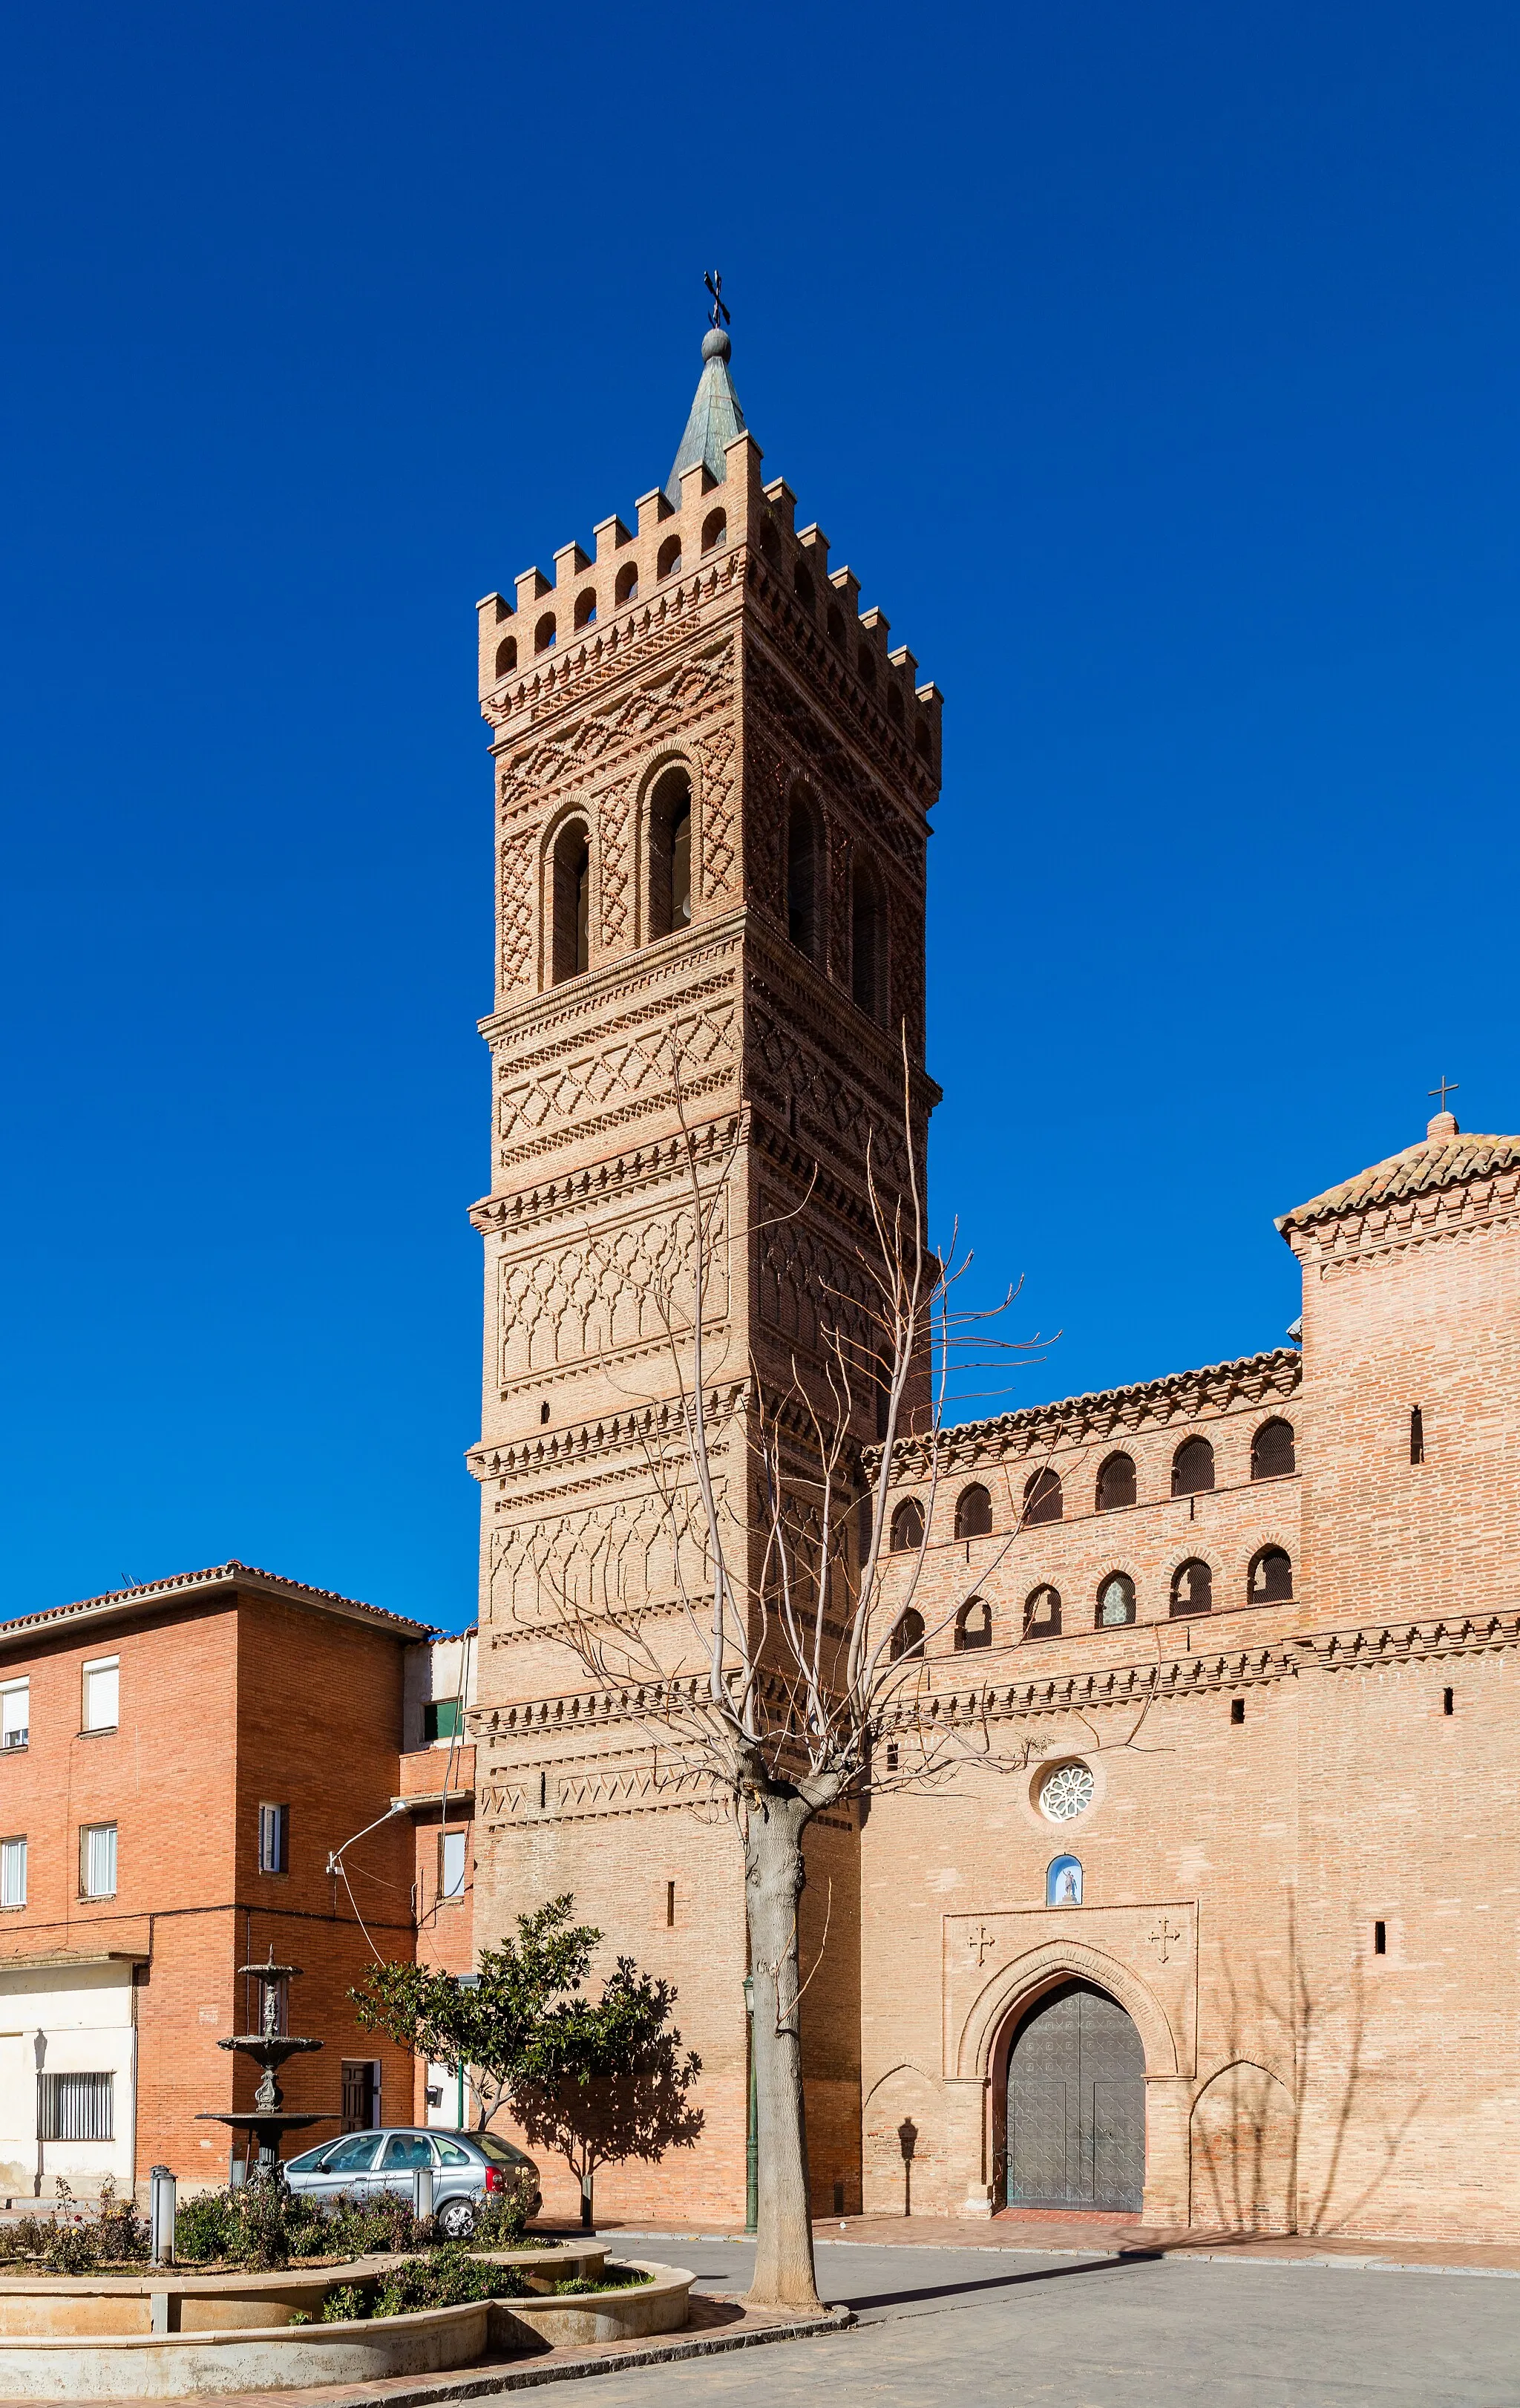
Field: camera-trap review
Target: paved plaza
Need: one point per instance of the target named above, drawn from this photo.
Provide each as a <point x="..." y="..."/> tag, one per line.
<point x="967" y="2326"/>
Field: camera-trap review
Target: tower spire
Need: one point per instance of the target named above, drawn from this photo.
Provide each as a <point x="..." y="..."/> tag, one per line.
<point x="715" y="416"/>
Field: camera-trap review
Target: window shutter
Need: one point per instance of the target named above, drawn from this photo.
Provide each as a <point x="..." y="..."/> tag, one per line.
<point x="15" y="1713"/>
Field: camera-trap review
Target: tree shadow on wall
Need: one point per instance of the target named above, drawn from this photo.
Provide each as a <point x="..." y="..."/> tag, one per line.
<point x="1291" y="2065"/>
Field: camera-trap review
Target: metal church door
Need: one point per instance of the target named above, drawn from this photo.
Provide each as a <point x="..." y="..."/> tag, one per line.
<point x="1076" y="2104"/>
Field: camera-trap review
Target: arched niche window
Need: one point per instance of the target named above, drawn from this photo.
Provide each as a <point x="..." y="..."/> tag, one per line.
<point x="1042" y="1613"/>
<point x="668" y="562"/>
<point x="866" y="664"/>
<point x="1191" y="1588"/>
<point x="835" y="625"/>
<point x="973" y="1511"/>
<point x="803" y="586"/>
<point x="585" y="607"/>
<point x="770" y="545"/>
<point x="803" y="917"/>
<point x="1115" y="1601"/>
<point x="973" y="1625"/>
<point x="1271" y="1582"/>
<point x="1042" y="1499"/>
<point x="625" y="584"/>
<point x="895" y="705"/>
<point x="907" y="1638"/>
<point x="714" y="530"/>
<point x="545" y="632"/>
<point x="906" y="1534"/>
<point x="1193" y="1467"/>
<point x="668" y="857"/>
<point x="1272" y="1454"/>
<point x="569" y="902"/>
<point x="1063" y="1881"/>
<point x="1115" y="1483"/>
<point x="867" y="939"/>
<point x="506" y="655"/>
<point x="921" y="741"/>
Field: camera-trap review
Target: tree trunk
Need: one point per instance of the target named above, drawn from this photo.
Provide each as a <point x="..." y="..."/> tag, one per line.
<point x="773" y="1879"/>
<point x="587" y="2219"/>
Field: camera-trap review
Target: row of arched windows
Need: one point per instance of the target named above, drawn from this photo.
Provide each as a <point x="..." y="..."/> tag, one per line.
<point x="805" y="590"/>
<point x="805" y="914"/>
<point x="667" y="562"/>
<point x="1269" y="1581"/>
<point x="1273" y="1457"/>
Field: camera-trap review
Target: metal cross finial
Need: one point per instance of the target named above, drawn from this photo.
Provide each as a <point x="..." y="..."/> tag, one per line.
<point x="718" y="314"/>
<point x="1447" y="1087"/>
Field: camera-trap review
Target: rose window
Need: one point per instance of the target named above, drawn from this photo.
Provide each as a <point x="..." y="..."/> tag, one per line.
<point x="1066" y="1792"/>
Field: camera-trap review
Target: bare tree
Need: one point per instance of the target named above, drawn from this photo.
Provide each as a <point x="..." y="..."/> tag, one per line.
<point x="807" y="1680"/>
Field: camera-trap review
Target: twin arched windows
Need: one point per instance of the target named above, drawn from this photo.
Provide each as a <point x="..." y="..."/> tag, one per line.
<point x="668" y="854"/>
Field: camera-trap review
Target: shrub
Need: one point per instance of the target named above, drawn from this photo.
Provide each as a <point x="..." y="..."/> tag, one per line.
<point x="501" y="2221"/>
<point x="613" y="2278"/>
<point x="206" y="2227"/>
<point x="366" y="2228"/>
<point x="447" y="2277"/>
<point x="345" y="2304"/>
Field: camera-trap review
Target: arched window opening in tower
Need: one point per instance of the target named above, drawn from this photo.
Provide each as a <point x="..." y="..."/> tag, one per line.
<point x="506" y="655"/>
<point x="866" y="664"/>
<point x="802" y="849"/>
<point x="1042" y="1499"/>
<point x="669" y="562"/>
<point x="907" y="1638"/>
<point x="973" y="1625"/>
<point x="867" y="942"/>
<point x="1272" y="1577"/>
<point x="1272" y="1455"/>
<point x="668" y="862"/>
<point x="1115" y="1601"/>
<point x="1193" y="1467"/>
<point x="895" y="705"/>
<point x="835" y="625"/>
<point x="973" y="1512"/>
<point x="921" y="744"/>
<point x="1115" y="1483"/>
<point x="907" y="1528"/>
<point x="714" y="530"/>
<point x="804" y="588"/>
<point x="545" y="632"/>
<point x="1191" y="1588"/>
<point x="626" y="585"/>
<point x="585" y="608"/>
<point x="1042" y="1613"/>
<point x="770" y="547"/>
<point x="570" y="913"/>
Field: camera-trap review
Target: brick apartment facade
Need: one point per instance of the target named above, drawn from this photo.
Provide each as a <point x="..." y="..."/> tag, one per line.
<point x="1225" y="1927"/>
<point x="180" y="1763"/>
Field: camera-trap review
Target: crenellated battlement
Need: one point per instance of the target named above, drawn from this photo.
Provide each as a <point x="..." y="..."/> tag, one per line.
<point x="725" y="532"/>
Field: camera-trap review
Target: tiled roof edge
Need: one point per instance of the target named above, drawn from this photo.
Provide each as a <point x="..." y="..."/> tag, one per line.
<point x="215" y="1575"/>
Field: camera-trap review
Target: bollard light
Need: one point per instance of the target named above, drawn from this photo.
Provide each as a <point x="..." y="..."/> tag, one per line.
<point x="422" y="2193"/>
<point x="162" y="2197"/>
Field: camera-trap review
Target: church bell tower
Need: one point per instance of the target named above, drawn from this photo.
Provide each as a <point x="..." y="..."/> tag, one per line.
<point x="712" y="776"/>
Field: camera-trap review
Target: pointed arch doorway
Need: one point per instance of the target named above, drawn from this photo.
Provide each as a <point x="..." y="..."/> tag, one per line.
<point x="1076" y="2104"/>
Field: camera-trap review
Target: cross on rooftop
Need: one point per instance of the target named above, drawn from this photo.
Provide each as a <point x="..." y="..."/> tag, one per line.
<point x="719" y="311"/>
<point x="1447" y="1087"/>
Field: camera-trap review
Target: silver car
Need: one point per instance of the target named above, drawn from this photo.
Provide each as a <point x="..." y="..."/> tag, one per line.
<point x="468" y="2168"/>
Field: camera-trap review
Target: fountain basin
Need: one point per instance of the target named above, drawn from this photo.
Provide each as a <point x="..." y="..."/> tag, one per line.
<point x="86" y="2363"/>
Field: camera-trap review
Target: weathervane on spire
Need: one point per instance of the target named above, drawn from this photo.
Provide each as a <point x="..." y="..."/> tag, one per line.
<point x="718" y="314"/>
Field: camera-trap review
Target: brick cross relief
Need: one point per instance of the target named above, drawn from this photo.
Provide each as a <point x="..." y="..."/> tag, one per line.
<point x="981" y="1939"/>
<point x="1163" y="1936"/>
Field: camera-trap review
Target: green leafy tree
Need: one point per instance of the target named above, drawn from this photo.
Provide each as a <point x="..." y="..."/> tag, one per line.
<point x="606" y="2080"/>
<point x="489" y="2027"/>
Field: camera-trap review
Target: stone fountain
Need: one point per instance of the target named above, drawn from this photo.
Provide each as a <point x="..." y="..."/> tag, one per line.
<point x="269" y="2046"/>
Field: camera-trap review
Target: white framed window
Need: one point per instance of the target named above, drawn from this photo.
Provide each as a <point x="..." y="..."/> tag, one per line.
<point x="15" y="1712"/>
<point x="452" y="1864"/>
<point x="102" y="1693"/>
<point x="76" y="2107"/>
<point x="13" y="1872"/>
<point x="274" y="1839"/>
<point x="97" y="1860"/>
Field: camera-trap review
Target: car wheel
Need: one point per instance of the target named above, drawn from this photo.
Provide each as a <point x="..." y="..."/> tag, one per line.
<point x="456" y="2220"/>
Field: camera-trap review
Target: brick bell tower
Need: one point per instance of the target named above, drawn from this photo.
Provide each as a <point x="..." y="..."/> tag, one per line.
<point x="713" y="780"/>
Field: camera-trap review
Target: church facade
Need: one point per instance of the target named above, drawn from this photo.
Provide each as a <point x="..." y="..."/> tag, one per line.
<point x="1223" y="1932"/>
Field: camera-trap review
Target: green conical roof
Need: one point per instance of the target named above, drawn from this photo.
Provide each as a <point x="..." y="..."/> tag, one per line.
<point x="715" y="418"/>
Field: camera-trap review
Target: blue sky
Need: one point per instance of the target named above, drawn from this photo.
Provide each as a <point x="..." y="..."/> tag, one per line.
<point x="1156" y="370"/>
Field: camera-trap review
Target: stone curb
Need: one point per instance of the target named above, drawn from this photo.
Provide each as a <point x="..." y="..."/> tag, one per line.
<point x="1120" y="2256"/>
<point x="487" y="2381"/>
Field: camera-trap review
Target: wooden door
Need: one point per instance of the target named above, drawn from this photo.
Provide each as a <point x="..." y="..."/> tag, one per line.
<point x="1076" y="2104"/>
